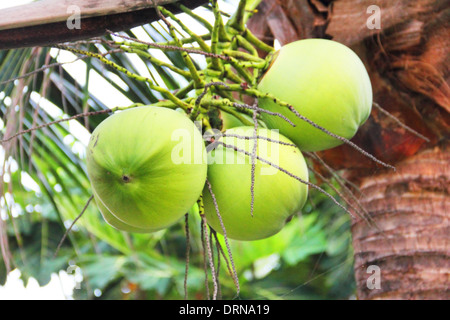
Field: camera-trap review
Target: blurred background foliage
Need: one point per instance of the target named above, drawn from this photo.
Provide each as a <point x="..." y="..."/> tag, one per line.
<point x="44" y="188"/>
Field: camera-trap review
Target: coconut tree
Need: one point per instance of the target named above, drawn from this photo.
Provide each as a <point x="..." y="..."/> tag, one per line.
<point x="395" y="228"/>
<point x="404" y="46"/>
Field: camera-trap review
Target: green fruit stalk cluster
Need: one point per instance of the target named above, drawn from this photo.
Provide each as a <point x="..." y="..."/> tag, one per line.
<point x="148" y="165"/>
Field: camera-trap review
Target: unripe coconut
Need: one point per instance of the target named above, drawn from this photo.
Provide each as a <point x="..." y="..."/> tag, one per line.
<point x="277" y="196"/>
<point x="147" y="166"/>
<point x="325" y="82"/>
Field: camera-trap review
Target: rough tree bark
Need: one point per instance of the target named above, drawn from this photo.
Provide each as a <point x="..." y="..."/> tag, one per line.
<point x="407" y="60"/>
<point x="411" y="208"/>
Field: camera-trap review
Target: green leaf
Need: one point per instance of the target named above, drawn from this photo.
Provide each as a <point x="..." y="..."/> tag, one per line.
<point x="101" y="271"/>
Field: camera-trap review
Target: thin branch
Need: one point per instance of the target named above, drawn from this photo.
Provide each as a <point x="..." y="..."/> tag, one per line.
<point x="218" y="248"/>
<point x="156" y="61"/>
<point x="194" y="112"/>
<point x="339" y="178"/>
<point x="254" y="153"/>
<point x="222" y="252"/>
<point x="169" y="95"/>
<point x="365" y="215"/>
<point x="312" y="185"/>
<point x="207" y="86"/>
<point x="218" y="23"/>
<point x="200" y="19"/>
<point x="258" y="94"/>
<point x="237" y="20"/>
<point x="169" y="47"/>
<point x="86" y="114"/>
<point x="197" y="38"/>
<point x="353" y="145"/>
<point x="205" y="264"/>
<point x="250" y="37"/>
<point x="198" y="81"/>
<point x="401" y="124"/>
<point x="208" y="246"/>
<point x="71" y="226"/>
<point x="4" y="245"/>
<point x="43" y="68"/>
<point x="188" y="250"/>
<point x="235" y="276"/>
<point x="231" y="111"/>
<point x="246" y="106"/>
<point x="328" y="182"/>
<point x="232" y="135"/>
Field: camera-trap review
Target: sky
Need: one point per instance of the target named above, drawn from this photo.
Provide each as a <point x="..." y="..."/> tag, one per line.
<point x="59" y="288"/>
<point x="8" y="3"/>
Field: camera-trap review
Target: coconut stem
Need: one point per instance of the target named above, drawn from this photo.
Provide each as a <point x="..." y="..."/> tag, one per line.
<point x="401" y="124"/>
<point x="232" y="135"/>
<point x="253" y="158"/>
<point x="216" y="206"/>
<point x="208" y="245"/>
<point x="169" y="95"/>
<point x="198" y="81"/>
<point x="71" y="226"/>
<point x="200" y="19"/>
<point x="312" y="185"/>
<point x="260" y="95"/>
<point x="188" y="250"/>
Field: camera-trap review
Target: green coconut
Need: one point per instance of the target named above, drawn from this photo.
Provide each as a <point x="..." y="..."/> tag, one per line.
<point x="277" y="195"/>
<point x="324" y="81"/>
<point x="147" y="166"/>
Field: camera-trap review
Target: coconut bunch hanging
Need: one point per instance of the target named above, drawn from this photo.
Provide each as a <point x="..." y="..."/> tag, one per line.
<point x="241" y="164"/>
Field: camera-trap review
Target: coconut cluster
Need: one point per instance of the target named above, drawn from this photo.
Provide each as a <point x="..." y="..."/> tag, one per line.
<point x="149" y="165"/>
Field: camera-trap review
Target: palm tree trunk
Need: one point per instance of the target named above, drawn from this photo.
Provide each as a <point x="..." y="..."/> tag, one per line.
<point x="407" y="256"/>
<point x="409" y="250"/>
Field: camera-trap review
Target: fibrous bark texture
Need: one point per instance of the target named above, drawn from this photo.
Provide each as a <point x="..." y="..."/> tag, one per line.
<point x="410" y="243"/>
